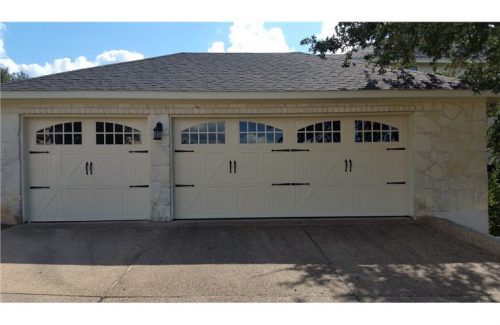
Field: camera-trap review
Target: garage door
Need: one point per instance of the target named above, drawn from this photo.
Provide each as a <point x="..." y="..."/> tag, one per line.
<point x="295" y="167"/>
<point x="88" y="169"/>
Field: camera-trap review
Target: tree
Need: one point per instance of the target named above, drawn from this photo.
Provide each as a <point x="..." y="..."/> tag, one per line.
<point x="5" y="76"/>
<point x="473" y="48"/>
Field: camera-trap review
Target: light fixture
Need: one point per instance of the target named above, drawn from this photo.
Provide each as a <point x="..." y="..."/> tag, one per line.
<point x="158" y="130"/>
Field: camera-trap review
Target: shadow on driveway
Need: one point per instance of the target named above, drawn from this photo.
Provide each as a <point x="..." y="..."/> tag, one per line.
<point x="317" y="260"/>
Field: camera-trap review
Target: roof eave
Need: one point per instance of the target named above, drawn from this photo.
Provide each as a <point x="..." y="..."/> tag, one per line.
<point x="339" y="94"/>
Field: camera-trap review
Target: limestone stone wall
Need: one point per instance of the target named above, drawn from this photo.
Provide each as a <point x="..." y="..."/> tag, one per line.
<point x="448" y="139"/>
<point x="10" y="167"/>
<point x="450" y="163"/>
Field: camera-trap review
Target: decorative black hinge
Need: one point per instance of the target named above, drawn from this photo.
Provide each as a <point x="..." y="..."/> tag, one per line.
<point x="299" y="184"/>
<point x="294" y="150"/>
<point x="395" y="148"/>
<point x="142" y="186"/>
<point x="183" y="150"/>
<point x="396" y="183"/>
<point x="38" y="151"/>
<point x="281" y="184"/>
<point x="184" y="185"/>
<point x="38" y="187"/>
<point x="138" y="151"/>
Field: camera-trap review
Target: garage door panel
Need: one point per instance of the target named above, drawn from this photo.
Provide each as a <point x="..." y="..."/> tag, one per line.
<point x="308" y="201"/>
<point x="190" y="203"/>
<point x="108" y="168"/>
<point x="45" y="204"/>
<point x="364" y="200"/>
<point x="216" y="168"/>
<point x="393" y="199"/>
<point x="133" y="168"/>
<point x="277" y="166"/>
<point x="43" y="168"/>
<point x="108" y="203"/>
<point x="336" y="200"/>
<point x="279" y="201"/>
<point x="392" y="165"/>
<point x="250" y="166"/>
<point x="76" y="204"/>
<point x="251" y="202"/>
<point x="221" y="201"/>
<point x="190" y="167"/>
<point x="363" y="167"/>
<point x="136" y="203"/>
<point x="73" y="170"/>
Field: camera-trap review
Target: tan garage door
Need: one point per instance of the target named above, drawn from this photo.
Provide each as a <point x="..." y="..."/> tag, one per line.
<point x="84" y="169"/>
<point x="294" y="167"/>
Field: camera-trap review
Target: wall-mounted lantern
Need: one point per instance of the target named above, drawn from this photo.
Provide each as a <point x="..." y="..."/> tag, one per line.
<point x="158" y="130"/>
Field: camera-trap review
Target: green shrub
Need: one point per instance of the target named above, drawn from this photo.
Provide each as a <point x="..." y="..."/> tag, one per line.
<point x="494" y="201"/>
<point x="494" y="177"/>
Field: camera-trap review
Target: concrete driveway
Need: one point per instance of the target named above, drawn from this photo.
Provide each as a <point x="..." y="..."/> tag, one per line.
<point x="245" y="261"/>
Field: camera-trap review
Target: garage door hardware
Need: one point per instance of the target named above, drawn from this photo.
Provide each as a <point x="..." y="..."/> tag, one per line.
<point x="184" y="185"/>
<point x="395" y="149"/>
<point x="290" y="150"/>
<point x="183" y="150"/>
<point x="138" y="151"/>
<point x="87" y="168"/>
<point x="39" y="151"/>
<point x="38" y="187"/>
<point x="346" y="164"/>
<point x="290" y="184"/>
<point x="142" y="186"/>
<point x="232" y="163"/>
<point x="394" y="183"/>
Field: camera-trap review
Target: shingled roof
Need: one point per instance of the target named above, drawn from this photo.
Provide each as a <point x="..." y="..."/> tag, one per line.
<point x="233" y="72"/>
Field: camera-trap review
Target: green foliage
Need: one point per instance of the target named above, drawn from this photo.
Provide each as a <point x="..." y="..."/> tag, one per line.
<point x="5" y="76"/>
<point x="473" y="48"/>
<point x="494" y="178"/>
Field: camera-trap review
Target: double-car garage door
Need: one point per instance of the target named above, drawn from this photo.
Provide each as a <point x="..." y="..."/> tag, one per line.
<point x="290" y="167"/>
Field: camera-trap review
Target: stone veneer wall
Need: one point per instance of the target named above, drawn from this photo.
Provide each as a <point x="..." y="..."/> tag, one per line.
<point x="450" y="163"/>
<point x="449" y="158"/>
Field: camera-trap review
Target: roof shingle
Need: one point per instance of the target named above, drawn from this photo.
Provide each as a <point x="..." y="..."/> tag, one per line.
<point x="231" y="72"/>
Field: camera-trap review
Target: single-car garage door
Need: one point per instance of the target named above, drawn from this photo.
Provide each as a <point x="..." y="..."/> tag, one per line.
<point x="290" y="167"/>
<point x="83" y="169"/>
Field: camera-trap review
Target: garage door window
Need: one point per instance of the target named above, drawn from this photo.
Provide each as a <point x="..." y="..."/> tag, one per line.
<point x="205" y="133"/>
<point x="253" y="132"/>
<point x="322" y="132"/>
<point x="68" y="133"/>
<point x="371" y="131"/>
<point x="114" y="133"/>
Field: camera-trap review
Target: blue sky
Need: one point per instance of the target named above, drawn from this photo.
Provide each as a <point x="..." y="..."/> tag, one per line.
<point x="43" y="48"/>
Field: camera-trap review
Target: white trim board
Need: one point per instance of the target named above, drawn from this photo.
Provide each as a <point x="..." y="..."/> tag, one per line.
<point x="246" y="95"/>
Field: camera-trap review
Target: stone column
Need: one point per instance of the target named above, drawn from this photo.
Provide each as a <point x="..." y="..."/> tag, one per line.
<point x="160" y="170"/>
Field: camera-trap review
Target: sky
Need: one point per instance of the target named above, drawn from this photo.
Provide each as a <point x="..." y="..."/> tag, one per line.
<point x="44" y="48"/>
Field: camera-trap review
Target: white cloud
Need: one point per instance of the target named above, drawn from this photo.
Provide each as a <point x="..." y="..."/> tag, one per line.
<point x="327" y="29"/>
<point x="253" y="37"/>
<point x="64" y="64"/>
<point x="217" y="47"/>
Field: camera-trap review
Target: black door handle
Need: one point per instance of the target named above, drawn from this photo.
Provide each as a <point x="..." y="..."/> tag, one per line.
<point x="235" y="166"/>
<point x="345" y="161"/>
<point x="91" y="164"/>
<point x="350" y="165"/>
<point x="230" y="166"/>
<point x="87" y="168"/>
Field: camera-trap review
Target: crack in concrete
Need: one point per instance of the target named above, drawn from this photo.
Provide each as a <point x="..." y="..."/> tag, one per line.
<point x="330" y="263"/>
<point x="105" y="295"/>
